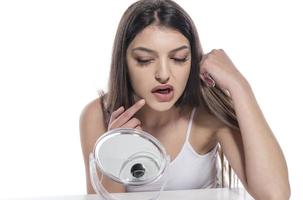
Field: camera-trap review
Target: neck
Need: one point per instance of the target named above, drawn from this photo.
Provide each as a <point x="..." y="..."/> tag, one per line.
<point x="154" y="120"/>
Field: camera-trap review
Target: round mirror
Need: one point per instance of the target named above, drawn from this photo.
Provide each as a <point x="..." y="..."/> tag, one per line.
<point x="130" y="156"/>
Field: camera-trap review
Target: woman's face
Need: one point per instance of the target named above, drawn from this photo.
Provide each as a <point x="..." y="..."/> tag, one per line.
<point x="159" y="57"/>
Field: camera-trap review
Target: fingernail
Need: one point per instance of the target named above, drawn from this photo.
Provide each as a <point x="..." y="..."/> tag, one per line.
<point x="205" y="73"/>
<point x="142" y="101"/>
<point x="211" y="83"/>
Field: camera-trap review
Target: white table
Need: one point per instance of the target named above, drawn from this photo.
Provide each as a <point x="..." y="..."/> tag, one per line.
<point x="201" y="194"/>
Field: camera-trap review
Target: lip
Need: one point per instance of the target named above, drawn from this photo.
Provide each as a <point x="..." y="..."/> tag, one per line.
<point x="165" y="86"/>
<point x="163" y="97"/>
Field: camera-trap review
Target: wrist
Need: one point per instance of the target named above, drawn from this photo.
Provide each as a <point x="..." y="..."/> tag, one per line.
<point x="239" y="86"/>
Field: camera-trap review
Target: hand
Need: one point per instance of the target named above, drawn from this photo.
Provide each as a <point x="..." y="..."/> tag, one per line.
<point x="217" y="68"/>
<point x="120" y="119"/>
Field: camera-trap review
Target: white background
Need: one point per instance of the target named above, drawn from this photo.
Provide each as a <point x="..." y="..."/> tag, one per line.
<point x="55" y="56"/>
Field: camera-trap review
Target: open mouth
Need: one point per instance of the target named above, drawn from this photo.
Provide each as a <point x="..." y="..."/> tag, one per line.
<point x="163" y="91"/>
<point x="165" y="88"/>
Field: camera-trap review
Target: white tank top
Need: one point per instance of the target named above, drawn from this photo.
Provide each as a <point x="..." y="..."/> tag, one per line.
<point x="189" y="170"/>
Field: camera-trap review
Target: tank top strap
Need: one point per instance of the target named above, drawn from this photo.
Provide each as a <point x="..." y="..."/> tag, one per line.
<point x="190" y="123"/>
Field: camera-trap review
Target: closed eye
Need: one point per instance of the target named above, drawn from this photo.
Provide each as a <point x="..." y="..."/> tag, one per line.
<point x="143" y="62"/>
<point x="181" y="60"/>
<point x="146" y="62"/>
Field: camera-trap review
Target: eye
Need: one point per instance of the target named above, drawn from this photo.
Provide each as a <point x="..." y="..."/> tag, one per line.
<point x="180" y="60"/>
<point x="143" y="62"/>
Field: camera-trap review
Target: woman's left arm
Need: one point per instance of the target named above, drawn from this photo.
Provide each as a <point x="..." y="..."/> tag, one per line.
<point x="266" y="168"/>
<point x="263" y="164"/>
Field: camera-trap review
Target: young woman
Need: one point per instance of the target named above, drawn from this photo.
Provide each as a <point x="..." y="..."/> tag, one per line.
<point x="195" y="104"/>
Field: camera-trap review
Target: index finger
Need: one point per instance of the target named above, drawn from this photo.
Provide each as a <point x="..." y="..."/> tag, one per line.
<point x="123" y="118"/>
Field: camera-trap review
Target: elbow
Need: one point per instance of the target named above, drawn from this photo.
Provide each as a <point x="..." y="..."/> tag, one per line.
<point x="274" y="195"/>
<point x="281" y="193"/>
<point x="278" y="196"/>
<point x="271" y="196"/>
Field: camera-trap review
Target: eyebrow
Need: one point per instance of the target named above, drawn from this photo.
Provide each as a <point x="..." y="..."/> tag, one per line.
<point x="154" y="52"/>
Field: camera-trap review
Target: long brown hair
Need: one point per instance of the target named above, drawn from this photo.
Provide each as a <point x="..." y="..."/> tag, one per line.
<point x="165" y="13"/>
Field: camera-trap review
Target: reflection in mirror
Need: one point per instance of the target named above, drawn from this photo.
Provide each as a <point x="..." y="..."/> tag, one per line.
<point x="128" y="156"/>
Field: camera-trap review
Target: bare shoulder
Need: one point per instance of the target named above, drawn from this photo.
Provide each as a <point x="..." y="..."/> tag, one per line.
<point x="216" y="127"/>
<point x="205" y="125"/>
<point x="207" y="120"/>
<point x="91" y="124"/>
<point x="92" y="111"/>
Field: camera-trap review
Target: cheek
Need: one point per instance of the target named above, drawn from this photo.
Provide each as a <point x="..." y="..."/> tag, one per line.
<point x="138" y="80"/>
<point x="183" y="74"/>
<point x="137" y="76"/>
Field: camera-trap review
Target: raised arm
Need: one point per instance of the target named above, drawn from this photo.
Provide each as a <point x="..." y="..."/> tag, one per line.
<point x="263" y="163"/>
<point x="253" y="153"/>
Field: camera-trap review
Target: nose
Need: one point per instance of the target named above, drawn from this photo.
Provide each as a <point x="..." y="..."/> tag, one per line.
<point x="162" y="73"/>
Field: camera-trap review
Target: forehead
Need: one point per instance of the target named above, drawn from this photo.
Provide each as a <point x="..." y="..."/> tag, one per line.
<point x="160" y="39"/>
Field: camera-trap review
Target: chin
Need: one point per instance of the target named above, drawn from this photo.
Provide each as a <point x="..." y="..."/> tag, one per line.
<point x="161" y="106"/>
